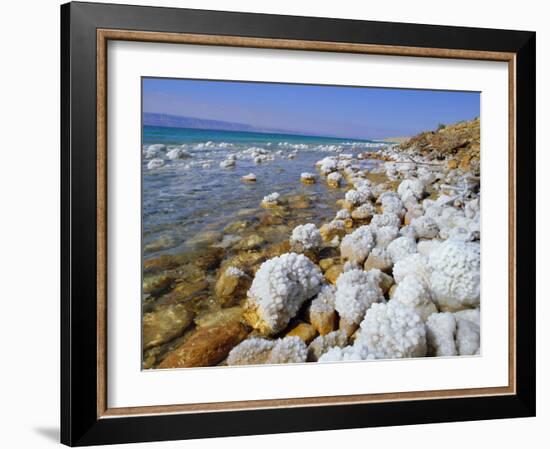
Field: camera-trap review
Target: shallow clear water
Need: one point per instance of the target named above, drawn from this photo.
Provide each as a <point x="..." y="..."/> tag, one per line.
<point x="189" y="196"/>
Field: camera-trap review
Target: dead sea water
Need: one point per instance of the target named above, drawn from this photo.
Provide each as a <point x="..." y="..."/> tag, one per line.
<point x="189" y="201"/>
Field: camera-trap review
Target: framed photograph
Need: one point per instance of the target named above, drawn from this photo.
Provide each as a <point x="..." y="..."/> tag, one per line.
<point x="282" y="224"/>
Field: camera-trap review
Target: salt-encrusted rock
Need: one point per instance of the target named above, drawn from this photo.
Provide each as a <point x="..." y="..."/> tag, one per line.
<point x="412" y="291"/>
<point x="413" y="264"/>
<point x="356" y="246"/>
<point x="253" y="351"/>
<point x="322" y="314"/>
<point x="378" y="258"/>
<point x="305" y="331"/>
<point x="271" y="200"/>
<point x="393" y="330"/>
<point x="335" y="228"/>
<point x="467" y="337"/>
<point x="392" y="205"/>
<point x="425" y="227"/>
<point x="407" y="231"/>
<point x="413" y="211"/>
<point x="305" y="237"/>
<point x="467" y="333"/>
<point x="411" y="188"/>
<point x="354" y="352"/>
<point x="472" y="315"/>
<point x="207" y="346"/>
<point x="342" y="214"/>
<point x="440" y="334"/>
<point x="155" y="163"/>
<point x="327" y="165"/>
<point x="153" y="150"/>
<point x="425" y="247"/>
<point x="385" y="235"/>
<point x="288" y="350"/>
<point x="279" y="289"/>
<point x="323" y="343"/>
<point x="307" y="178"/>
<point x="401" y="248"/>
<point x="356" y="291"/>
<point x="178" y="153"/>
<point x="363" y="212"/>
<point x="251" y="177"/>
<point x="471" y="208"/>
<point x="233" y="282"/>
<point x="164" y="324"/>
<point x="455" y="275"/>
<point x="357" y="197"/>
<point x="380" y="220"/>
<point x="334" y="179"/>
<point x="227" y="163"/>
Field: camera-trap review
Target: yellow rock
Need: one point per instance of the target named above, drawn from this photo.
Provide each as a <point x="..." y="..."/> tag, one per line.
<point x="325" y="264"/>
<point x="324" y="322"/>
<point x="452" y="164"/>
<point x="207" y="346"/>
<point x="348" y="326"/>
<point x="305" y="331"/>
<point x="386" y="282"/>
<point x="164" y="324"/>
<point x="220" y="317"/>
<point x="333" y="272"/>
<point x="231" y="285"/>
<point x="381" y="263"/>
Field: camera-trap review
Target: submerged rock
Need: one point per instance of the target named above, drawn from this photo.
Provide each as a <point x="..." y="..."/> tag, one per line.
<point x="163" y="242"/>
<point x="158" y="284"/>
<point x="252" y="241"/>
<point x="220" y="317"/>
<point x="271" y="200"/>
<point x="307" y="178"/>
<point x="207" y="346"/>
<point x="164" y="324"/>
<point x="251" y="177"/>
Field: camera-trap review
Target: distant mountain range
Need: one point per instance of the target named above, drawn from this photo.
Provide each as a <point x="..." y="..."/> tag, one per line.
<point x="178" y="121"/>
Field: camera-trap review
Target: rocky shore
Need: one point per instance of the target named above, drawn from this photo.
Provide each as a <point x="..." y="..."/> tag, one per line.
<point x="394" y="273"/>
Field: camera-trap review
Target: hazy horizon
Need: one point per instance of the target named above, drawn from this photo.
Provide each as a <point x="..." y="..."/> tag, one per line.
<point x="315" y="110"/>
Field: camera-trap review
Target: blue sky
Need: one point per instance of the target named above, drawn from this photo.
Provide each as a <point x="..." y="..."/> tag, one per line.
<point x="354" y="112"/>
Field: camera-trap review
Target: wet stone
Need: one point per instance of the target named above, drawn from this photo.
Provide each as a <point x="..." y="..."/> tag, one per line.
<point x="164" y="324"/>
<point x="207" y="346"/>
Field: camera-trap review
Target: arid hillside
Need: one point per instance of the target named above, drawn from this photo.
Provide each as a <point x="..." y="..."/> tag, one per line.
<point x="457" y="143"/>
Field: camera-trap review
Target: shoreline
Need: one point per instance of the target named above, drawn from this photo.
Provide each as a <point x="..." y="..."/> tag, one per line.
<point x="386" y="219"/>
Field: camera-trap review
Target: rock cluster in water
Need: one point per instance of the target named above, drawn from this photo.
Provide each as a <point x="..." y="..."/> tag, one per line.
<point x="394" y="274"/>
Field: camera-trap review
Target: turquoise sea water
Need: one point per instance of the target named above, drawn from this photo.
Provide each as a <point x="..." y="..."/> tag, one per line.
<point x="187" y="197"/>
